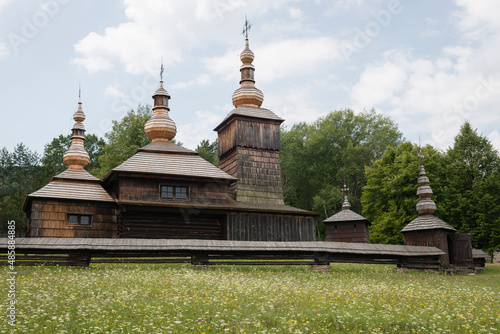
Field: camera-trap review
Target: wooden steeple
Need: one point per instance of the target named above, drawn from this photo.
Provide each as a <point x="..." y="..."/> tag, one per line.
<point x="249" y="140"/>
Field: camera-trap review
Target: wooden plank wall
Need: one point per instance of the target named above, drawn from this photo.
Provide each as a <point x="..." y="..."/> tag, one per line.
<point x="249" y="133"/>
<point x="462" y="248"/>
<point x="148" y="190"/>
<point x="270" y="227"/>
<point x="347" y="232"/>
<point x="162" y="225"/>
<point x="434" y="238"/>
<point x="49" y="218"/>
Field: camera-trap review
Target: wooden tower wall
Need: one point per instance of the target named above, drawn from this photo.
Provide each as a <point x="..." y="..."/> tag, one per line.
<point x="49" y="218"/>
<point x="347" y="232"/>
<point x="249" y="151"/>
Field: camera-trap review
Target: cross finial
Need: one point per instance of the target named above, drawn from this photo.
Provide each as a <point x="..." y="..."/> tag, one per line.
<point x="79" y="92"/>
<point x="161" y="70"/>
<point x="344" y="189"/>
<point x="246" y="28"/>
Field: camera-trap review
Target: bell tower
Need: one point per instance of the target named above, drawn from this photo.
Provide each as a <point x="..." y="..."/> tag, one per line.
<point x="249" y="140"/>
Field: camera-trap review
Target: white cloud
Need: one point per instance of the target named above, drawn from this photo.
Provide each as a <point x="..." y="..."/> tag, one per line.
<point x="192" y="133"/>
<point x="429" y="97"/>
<point x="294" y="104"/>
<point x="277" y="60"/>
<point x="296" y="13"/>
<point x="4" y="3"/>
<point x="113" y="92"/>
<point x="157" y="28"/>
<point x="201" y="80"/>
<point x="4" y="50"/>
<point x="494" y="138"/>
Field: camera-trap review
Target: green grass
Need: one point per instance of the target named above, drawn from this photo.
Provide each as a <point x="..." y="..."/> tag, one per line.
<point x="142" y="298"/>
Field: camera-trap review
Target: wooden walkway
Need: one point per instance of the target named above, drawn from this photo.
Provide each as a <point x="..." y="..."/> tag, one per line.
<point x="83" y="251"/>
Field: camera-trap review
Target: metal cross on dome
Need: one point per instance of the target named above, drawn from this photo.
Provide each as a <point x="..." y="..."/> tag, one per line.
<point x="246" y="28"/>
<point x="344" y="189"/>
<point x="161" y="70"/>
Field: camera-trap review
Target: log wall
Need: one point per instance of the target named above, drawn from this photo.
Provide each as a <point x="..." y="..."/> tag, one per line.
<point x="270" y="227"/>
<point x="49" y="218"/>
<point x="183" y="224"/>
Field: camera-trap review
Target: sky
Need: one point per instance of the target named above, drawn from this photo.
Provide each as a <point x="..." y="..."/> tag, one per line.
<point x="428" y="65"/>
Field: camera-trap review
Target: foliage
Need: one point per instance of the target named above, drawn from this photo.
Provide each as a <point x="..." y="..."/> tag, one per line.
<point x="20" y="175"/>
<point x="209" y="151"/>
<point x="52" y="159"/>
<point x="470" y="200"/>
<point x="353" y="298"/>
<point x="390" y="195"/>
<point x="317" y="158"/>
<point x="125" y="137"/>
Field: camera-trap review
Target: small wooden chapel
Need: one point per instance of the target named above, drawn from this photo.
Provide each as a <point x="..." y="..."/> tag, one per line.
<point x="167" y="191"/>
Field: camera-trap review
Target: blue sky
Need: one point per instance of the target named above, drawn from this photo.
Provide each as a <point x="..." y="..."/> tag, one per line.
<point x="429" y="65"/>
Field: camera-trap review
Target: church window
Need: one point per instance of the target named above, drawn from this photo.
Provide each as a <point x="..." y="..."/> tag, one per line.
<point x="83" y="220"/>
<point x="174" y="192"/>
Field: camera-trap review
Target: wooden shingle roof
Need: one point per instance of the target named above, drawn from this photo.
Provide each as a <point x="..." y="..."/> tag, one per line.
<point x="166" y="147"/>
<point x="231" y="205"/>
<point x="104" y="244"/>
<point x="70" y="174"/>
<point x="73" y="190"/>
<point x="253" y="112"/>
<point x="478" y="254"/>
<point x="172" y="164"/>
<point x="427" y="222"/>
<point x="344" y="216"/>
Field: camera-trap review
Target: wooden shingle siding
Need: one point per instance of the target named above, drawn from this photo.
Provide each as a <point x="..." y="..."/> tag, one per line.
<point x="258" y="172"/>
<point x="49" y="218"/>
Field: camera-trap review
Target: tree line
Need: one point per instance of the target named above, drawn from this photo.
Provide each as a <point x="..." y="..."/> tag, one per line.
<point x="366" y="151"/>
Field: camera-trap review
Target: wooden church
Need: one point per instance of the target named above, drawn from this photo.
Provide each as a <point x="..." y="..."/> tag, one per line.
<point x="167" y="191"/>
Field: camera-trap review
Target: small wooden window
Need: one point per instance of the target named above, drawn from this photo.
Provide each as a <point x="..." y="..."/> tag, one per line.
<point x="83" y="220"/>
<point x="174" y="192"/>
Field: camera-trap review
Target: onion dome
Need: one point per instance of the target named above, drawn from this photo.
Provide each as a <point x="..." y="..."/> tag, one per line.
<point x="247" y="95"/>
<point x="160" y="128"/>
<point x="76" y="157"/>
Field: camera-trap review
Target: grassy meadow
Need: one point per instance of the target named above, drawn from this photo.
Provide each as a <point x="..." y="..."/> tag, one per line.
<point x="149" y="298"/>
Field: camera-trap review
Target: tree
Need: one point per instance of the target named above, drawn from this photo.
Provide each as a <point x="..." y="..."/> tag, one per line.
<point x="209" y="151"/>
<point x="5" y="184"/>
<point x="52" y="159"/>
<point x="25" y="175"/>
<point x="390" y="194"/>
<point x="125" y="137"/>
<point x="317" y="158"/>
<point x="470" y="200"/>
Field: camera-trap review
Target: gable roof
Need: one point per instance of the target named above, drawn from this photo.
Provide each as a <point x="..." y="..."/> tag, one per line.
<point x="344" y="216"/>
<point x="427" y="222"/>
<point x="166" y="158"/>
<point x="72" y="185"/>
<point x="73" y="190"/>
